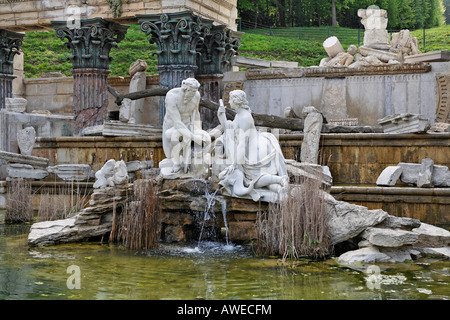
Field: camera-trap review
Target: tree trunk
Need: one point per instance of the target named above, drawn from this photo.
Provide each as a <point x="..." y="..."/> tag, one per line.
<point x="333" y="14"/>
<point x="262" y="120"/>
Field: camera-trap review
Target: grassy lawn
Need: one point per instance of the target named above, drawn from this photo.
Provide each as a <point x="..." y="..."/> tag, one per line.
<point x="44" y="52"/>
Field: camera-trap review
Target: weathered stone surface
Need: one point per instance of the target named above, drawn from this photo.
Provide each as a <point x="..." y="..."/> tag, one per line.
<point x="60" y="231"/>
<point x="25" y="171"/>
<point x="375" y="22"/>
<point x="424" y="179"/>
<point x="364" y="255"/>
<point x="404" y="123"/>
<point x="177" y="218"/>
<point x="242" y="230"/>
<point x="443" y="252"/>
<point x="174" y="234"/>
<point x="373" y="254"/>
<point x="394" y="222"/>
<point x="349" y="220"/>
<point x="25" y="140"/>
<point x="136" y="165"/>
<point x="382" y="237"/>
<point x="121" y="129"/>
<point x="439" y="127"/>
<point x="432" y="236"/>
<point x="389" y="176"/>
<point x="299" y="171"/>
<point x="312" y="128"/>
<point x="16" y="104"/>
<point x="36" y="162"/>
<point x="410" y="172"/>
<point x="433" y="56"/>
<point x="138" y="66"/>
<point x="72" y="172"/>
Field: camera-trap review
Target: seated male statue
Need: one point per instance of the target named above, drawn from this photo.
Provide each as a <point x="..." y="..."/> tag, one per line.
<point x="182" y="127"/>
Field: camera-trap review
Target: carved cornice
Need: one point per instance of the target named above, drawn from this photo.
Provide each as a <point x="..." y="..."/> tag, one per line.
<point x="330" y="72"/>
<point x="177" y="35"/>
<point x="91" y="42"/>
<point x="10" y="45"/>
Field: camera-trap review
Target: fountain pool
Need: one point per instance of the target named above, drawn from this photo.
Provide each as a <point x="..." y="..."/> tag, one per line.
<point x="205" y="270"/>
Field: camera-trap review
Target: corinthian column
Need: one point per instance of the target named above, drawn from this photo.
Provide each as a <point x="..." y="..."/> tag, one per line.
<point x="91" y="42"/>
<point x="10" y="45"/>
<point x="178" y="37"/>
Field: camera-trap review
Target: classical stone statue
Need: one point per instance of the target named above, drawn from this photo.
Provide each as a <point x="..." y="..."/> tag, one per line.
<point x="256" y="167"/>
<point x="375" y="22"/>
<point x="181" y="128"/>
<point x="112" y="173"/>
<point x="341" y="59"/>
<point x="402" y="42"/>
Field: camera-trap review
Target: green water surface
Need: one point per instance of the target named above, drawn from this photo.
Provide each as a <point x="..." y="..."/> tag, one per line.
<point x="209" y="271"/>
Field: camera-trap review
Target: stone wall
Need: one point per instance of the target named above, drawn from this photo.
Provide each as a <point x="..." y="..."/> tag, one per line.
<point x="32" y="15"/>
<point x="55" y="94"/>
<point x="368" y="94"/>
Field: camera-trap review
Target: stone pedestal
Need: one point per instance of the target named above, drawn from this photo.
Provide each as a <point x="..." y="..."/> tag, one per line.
<point x="91" y="43"/>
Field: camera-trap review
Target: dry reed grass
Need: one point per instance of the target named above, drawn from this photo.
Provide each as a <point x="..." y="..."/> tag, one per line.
<point x="19" y="202"/>
<point x="295" y="227"/>
<point x="138" y="226"/>
<point x="61" y="202"/>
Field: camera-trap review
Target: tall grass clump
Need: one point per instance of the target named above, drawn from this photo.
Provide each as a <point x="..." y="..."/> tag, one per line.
<point x="295" y="227"/>
<point x="61" y="202"/>
<point x="138" y="227"/>
<point x="19" y="202"/>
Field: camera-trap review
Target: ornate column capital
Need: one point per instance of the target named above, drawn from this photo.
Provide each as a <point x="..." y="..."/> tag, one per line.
<point x="10" y="45"/>
<point x="217" y="50"/>
<point x="177" y="35"/>
<point x="91" y="42"/>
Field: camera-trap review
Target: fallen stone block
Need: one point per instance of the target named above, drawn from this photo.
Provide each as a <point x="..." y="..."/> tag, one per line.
<point x="432" y="236"/>
<point x="443" y="252"/>
<point x="364" y="255"/>
<point x="394" y="222"/>
<point x="72" y="172"/>
<point x="404" y="123"/>
<point x="382" y="237"/>
<point x="410" y="172"/>
<point x="389" y="176"/>
<point x="424" y="179"/>
<point x="347" y="220"/>
<point x="25" y="171"/>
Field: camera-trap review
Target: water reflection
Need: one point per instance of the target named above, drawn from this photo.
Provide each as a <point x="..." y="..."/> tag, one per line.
<point x="208" y="270"/>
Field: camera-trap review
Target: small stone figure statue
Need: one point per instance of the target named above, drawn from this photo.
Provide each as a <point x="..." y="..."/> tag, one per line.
<point x="112" y="173"/>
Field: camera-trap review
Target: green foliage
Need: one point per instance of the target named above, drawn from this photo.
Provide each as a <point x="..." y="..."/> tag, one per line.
<point x="44" y="52"/>
<point x="291" y="13"/>
<point x="306" y="53"/>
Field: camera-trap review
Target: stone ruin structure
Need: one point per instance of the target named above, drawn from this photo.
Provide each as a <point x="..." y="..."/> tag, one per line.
<point x="333" y="113"/>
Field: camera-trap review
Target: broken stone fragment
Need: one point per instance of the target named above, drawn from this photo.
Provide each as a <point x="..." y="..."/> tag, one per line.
<point x="389" y="176"/>
<point x="25" y="171"/>
<point x="404" y="223"/>
<point x="25" y="140"/>
<point x="383" y="237"/>
<point x="424" y="179"/>
<point x="16" y="104"/>
<point x="72" y="172"/>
